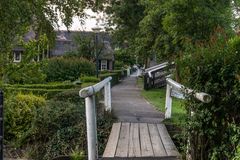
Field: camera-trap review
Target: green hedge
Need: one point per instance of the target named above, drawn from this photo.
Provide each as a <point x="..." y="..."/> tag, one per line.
<point x="68" y="95"/>
<point x="115" y="77"/>
<point x="43" y="86"/>
<point x="119" y="72"/>
<point x="47" y="93"/>
<point x="62" y="69"/>
<point x="87" y="79"/>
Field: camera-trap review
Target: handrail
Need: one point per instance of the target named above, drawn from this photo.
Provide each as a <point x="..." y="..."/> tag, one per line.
<point x="156" y="76"/>
<point x="173" y="85"/>
<point x="91" y="90"/>
<point x="89" y="94"/>
<point x="154" y="67"/>
<point x="157" y="67"/>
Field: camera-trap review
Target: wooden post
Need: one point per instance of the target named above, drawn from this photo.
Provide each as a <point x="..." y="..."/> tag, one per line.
<point x="91" y="127"/>
<point x="168" y="102"/>
<point x="1" y="125"/>
<point x="128" y="72"/>
<point x="107" y="97"/>
<point x="145" y="82"/>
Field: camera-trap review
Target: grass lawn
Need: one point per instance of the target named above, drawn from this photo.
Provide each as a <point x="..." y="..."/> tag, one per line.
<point x="157" y="98"/>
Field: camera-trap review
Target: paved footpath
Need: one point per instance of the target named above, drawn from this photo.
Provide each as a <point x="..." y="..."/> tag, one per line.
<point x="129" y="106"/>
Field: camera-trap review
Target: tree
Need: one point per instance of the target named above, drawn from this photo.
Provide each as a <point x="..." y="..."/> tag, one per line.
<point x="19" y="16"/>
<point x="125" y="16"/>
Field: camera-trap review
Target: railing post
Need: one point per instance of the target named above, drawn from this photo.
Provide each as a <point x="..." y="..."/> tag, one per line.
<point x="128" y="72"/>
<point x="107" y="97"/>
<point x="168" y="102"/>
<point x="91" y="127"/>
<point x="1" y="125"/>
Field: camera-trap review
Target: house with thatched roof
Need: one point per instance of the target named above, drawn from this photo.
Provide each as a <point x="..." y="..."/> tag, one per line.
<point x="106" y="57"/>
<point x="65" y="42"/>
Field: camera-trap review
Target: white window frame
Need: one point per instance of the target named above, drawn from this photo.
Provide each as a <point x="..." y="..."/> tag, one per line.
<point x="103" y="65"/>
<point x="15" y="56"/>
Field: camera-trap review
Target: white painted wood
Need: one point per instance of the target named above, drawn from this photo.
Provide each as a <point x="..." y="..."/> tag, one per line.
<point x="168" y="102"/>
<point x="203" y="97"/>
<point x="89" y="94"/>
<point x="109" y="99"/>
<point x="128" y="71"/>
<point x="154" y="67"/>
<point x="91" y="128"/>
<point x="105" y="96"/>
<point x="89" y="91"/>
<point x="173" y="85"/>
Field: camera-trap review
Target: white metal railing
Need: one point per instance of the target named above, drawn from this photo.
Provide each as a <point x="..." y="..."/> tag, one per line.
<point x="89" y="94"/>
<point x="173" y="85"/>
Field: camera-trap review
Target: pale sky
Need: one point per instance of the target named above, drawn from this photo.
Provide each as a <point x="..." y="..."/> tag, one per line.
<point x="90" y="22"/>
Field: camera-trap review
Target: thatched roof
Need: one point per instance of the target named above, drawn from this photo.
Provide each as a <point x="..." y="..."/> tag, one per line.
<point x="107" y="52"/>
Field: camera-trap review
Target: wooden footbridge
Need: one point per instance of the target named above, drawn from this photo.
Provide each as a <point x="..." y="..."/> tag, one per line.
<point x="140" y="140"/>
<point x="139" y="132"/>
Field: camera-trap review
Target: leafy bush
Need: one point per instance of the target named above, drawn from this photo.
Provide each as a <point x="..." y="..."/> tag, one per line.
<point x="29" y="73"/>
<point x="214" y="68"/>
<point x="62" y="69"/>
<point x="56" y="130"/>
<point x="87" y="79"/>
<point x="118" y="65"/>
<point x="59" y="129"/>
<point x="19" y="113"/>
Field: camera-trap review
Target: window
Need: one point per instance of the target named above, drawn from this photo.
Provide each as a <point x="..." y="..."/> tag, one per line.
<point x="103" y="64"/>
<point x="17" y="55"/>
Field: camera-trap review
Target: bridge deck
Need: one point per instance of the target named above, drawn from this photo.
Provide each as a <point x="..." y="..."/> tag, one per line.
<point x="140" y="140"/>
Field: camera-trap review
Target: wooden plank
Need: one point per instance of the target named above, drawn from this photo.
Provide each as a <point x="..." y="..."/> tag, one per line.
<point x="112" y="141"/>
<point x="171" y="149"/>
<point x="146" y="146"/>
<point x="158" y="148"/>
<point x="122" y="147"/>
<point x="140" y="158"/>
<point x="134" y="141"/>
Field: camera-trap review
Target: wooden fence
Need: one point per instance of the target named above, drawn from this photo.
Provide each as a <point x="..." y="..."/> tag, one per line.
<point x="155" y="77"/>
<point x="179" y="88"/>
<point x="89" y="94"/>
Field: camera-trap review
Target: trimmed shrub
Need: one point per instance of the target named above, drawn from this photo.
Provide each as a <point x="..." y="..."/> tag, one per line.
<point x="119" y="72"/>
<point x="56" y="85"/>
<point x="62" y="69"/>
<point x="68" y="96"/>
<point x="115" y="77"/>
<point x="19" y="113"/>
<point x="87" y="79"/>
<point x="47" y="93"/>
